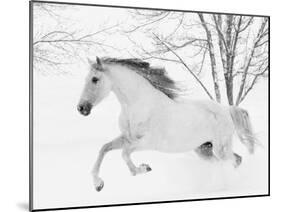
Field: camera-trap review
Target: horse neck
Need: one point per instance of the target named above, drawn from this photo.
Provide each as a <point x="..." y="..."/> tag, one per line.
<point x="131" y="88"/>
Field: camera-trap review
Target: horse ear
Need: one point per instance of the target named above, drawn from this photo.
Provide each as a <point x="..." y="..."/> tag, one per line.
<point x="98" y="61"/>
<point x="99" y="65"/>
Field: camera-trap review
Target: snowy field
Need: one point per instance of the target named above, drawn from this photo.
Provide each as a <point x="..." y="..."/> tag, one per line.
<point x="66" y="145"/>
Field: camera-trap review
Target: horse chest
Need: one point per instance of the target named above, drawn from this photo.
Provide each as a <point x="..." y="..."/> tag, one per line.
<point x="133" y="126"/>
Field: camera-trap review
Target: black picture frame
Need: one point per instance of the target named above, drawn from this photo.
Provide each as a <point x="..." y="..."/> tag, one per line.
<point x="31" y="123"/>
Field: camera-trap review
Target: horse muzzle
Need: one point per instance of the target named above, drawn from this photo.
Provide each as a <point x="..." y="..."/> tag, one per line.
<point x="85" y="108"/>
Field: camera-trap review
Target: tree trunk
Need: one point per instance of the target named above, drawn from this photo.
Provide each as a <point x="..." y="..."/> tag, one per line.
<point x="224" y="41"/>
<point x="229" y="56"/>
<point x="212" y="58"/>
<point x="229" y="89"/>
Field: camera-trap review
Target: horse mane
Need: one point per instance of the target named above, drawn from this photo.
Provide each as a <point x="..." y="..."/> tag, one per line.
<point x="158" y="77"/>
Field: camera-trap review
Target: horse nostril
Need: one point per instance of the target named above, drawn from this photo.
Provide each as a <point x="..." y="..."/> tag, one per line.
<point x="80" y="108"/>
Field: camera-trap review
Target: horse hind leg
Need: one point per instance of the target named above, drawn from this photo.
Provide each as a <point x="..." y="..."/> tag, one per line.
<point x="224" y="152"/>
<point x="205" y="151"/>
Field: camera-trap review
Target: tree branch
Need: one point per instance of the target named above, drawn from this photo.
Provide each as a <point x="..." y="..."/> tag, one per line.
<point x="186" y="66"/>
<point x="249" y="59"/>
<point x="148" y="23"/>
<point x="252" y="84"/>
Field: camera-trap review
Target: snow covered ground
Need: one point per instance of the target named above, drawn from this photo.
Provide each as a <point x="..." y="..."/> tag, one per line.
<point x="66" y="145"/>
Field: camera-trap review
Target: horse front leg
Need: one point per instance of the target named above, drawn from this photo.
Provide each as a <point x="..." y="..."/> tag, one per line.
<point x="143" y="168"/>
<point x="117" y="143"/>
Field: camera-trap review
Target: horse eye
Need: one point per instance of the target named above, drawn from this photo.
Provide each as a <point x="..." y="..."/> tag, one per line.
<point x="95" y="80"/>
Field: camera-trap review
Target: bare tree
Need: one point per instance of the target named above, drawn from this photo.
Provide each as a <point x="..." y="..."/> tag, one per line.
<point x="256" y="63"/>
<point x="55" y="45"/>
<point x="237" y="47"/>
<point x="171" y="46"/>
<point x="186" y="66"/>
<point x="212" y="57"/>
<point x="231" y="39"/>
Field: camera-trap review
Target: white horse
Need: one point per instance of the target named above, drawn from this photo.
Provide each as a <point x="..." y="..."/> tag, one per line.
<point x="152" y="118"/>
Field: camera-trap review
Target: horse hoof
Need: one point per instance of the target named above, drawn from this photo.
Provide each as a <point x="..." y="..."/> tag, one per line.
<point x="99" y="184"/>
<point x="145" y="167"/>
<point x="238" y="160"/>
<point x="99" y="187"/>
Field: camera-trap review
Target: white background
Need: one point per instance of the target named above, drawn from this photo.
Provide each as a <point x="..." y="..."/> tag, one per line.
<point x="14" y="104"/>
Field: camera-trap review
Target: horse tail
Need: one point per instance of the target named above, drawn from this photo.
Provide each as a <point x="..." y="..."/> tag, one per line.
<point x="243" y="127"/>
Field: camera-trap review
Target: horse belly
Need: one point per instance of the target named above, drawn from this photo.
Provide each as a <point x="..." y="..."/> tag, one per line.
<point x="183" y="136"/>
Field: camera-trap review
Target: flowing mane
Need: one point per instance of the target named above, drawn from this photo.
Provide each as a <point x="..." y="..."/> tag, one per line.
<point x="158" y="77"/>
